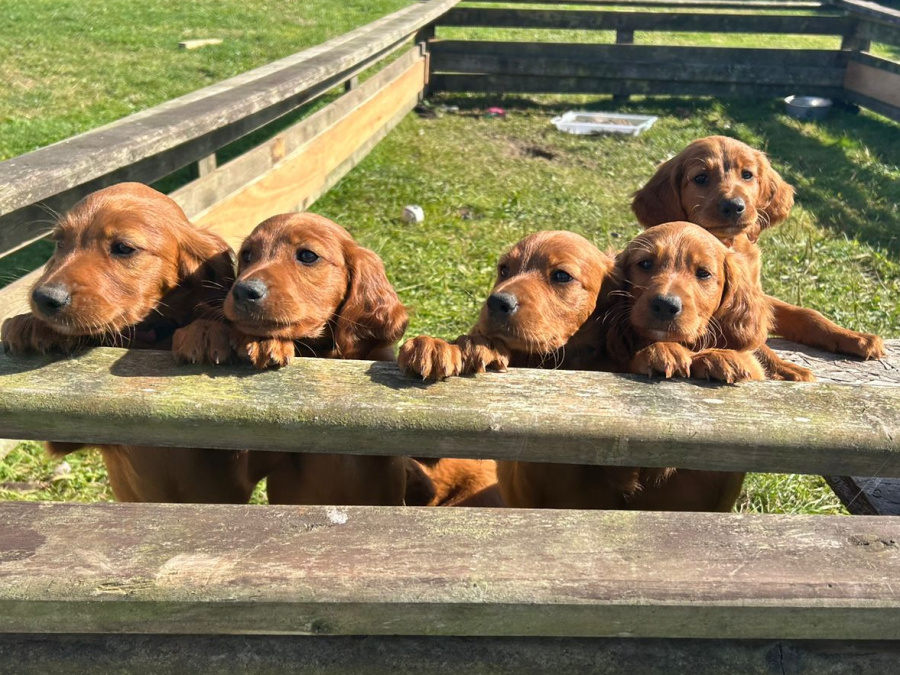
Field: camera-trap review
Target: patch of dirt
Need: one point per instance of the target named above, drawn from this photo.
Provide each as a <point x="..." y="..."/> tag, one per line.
<point x="532" y="151"/>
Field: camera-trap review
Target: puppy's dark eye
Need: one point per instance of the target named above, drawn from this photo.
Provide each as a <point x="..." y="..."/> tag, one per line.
<point x="645" y="264"/>
<point x="306" y="256"/>
<point x="122" y="250"/>
<point x="503" y="271"/>
<point x="560" y="277"/>
<point x="700" y="179"/>
<point x="246" y="257"/>
<point x="703" y="274"/>
<point x="746" y="175"/>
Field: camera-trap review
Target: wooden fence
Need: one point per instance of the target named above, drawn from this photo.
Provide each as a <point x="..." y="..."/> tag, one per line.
<point x="173" y="588"/>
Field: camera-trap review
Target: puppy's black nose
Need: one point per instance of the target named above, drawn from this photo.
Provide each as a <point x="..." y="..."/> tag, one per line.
<point x="732" y="208"/>
<point x="665" y="307"/>
<point x="250" y="291"/>
<point x="51" y="298"/>
<point x="502" y="304"/>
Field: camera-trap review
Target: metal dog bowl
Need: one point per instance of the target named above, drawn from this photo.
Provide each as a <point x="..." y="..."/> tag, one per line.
<point x="808" y="107"/>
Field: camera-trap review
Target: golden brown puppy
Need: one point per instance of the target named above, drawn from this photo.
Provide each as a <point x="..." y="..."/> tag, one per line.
<point x="546" y="290"/>
<point x="453" y="482"/>
<point x="685" y="305"/>
<point x="306" y="288"/>
<point x="732" y="190"/>
<point x="127" y="271"/>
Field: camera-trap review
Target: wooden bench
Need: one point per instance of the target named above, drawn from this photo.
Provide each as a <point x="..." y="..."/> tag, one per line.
<point x="135" y="588"/>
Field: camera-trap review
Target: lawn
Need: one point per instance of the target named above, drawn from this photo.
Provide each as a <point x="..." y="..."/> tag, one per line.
<point x="484" y="183"/>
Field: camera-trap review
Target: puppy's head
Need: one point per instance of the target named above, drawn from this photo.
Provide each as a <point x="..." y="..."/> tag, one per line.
<point x="547" y="287"/>
<point x="681" y="284"/>
<point x="719" y="183"/>
<point x="124" y="255"/>
<point x="301" y="276"/>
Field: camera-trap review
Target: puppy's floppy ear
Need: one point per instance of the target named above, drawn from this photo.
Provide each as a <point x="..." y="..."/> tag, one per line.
<point x="776" y="197"/>
<point x="206" y="268"/>
<point x="743" y="316"/>
<point x="659" y="201"/>
<point x="371" y="315"/>
<point x="615" y="295"/>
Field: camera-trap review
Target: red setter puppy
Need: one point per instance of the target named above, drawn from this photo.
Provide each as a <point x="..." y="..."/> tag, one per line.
<point x="127" y="271"/>
<point x="537" y="314"/>
<point x="453" y="482"/>
<point x="731" y="190"/>
<point x="685" y="305"/>
<point x="306" y="288"/>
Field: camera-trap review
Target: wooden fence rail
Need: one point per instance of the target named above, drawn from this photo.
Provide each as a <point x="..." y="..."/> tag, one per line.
<point x="537" y="415"/>
<point x="179" y="569"/>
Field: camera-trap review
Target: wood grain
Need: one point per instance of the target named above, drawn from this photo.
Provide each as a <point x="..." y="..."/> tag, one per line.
<point x="533" y="84"/>
<point x="652" y="21"/>
<point x="879" y="83"/>
<point x="531" y="415"/>
<point x="173" y="569"/>
<point x="437" y="655"/>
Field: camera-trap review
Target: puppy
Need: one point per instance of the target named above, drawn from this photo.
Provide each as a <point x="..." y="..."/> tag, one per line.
<point x="542" y="312"/>
<point x="684" y="304"/>
<point x="732" y="190"/>
<point x="452" y="482"/>
<point x="306" y="288"/>
<point x="537" y="314"/>
<point x="128" y="270"/>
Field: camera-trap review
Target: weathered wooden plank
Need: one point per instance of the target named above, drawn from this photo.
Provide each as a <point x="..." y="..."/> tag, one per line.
<point x="14" y="297"/>
<point x="533" y="84"/>
<point x="703" y="72"/>
<point x="529" y="415"/>
<point x="870" y="10"/>
<point x="231" y="177"/>
<point x="436" y="655"/>
<point x="822" y="58"/>
<point x="879" y="32"/>
<point x="652" y="21"/>
<point x="861" y="495"/>
<point x="300" y="176"/>
<point x="174" y="569"/>
<point x="879" y="84"/>
<point x="151" y="144"/>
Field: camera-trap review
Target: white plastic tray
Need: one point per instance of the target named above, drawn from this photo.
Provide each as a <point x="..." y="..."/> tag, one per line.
<point x="585" y="122"/>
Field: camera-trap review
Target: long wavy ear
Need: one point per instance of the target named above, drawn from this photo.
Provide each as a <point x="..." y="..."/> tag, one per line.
<point x="743" y="316"/>
<point x="614" y="315"/>
<point x="371" y="316"/>
<point x="206" y="270"/>
<point x="776" y="197"/>
<point x="659" y="201"/>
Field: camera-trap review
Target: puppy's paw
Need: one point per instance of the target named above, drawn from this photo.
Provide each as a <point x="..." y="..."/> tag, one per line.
<point x="669" y="359"/>
<point x="430" y="358"/>
<point x="203" y="341"/>
<point x="785" y="370"/>
<point x="726" y="365"/>
<point x="863" y="345"/>
<point x="26" y="334"/>
<point x="479" y="355"/>
<point x="263" y="352"/>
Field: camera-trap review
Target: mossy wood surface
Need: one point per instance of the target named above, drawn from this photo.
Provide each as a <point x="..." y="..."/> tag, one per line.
<point x="437" y="655"/>
<point x="145" y="568"/>
<point x="116" y="396"/>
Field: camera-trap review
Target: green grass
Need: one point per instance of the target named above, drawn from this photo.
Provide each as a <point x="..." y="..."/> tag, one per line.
<point x="484" y="183"/>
